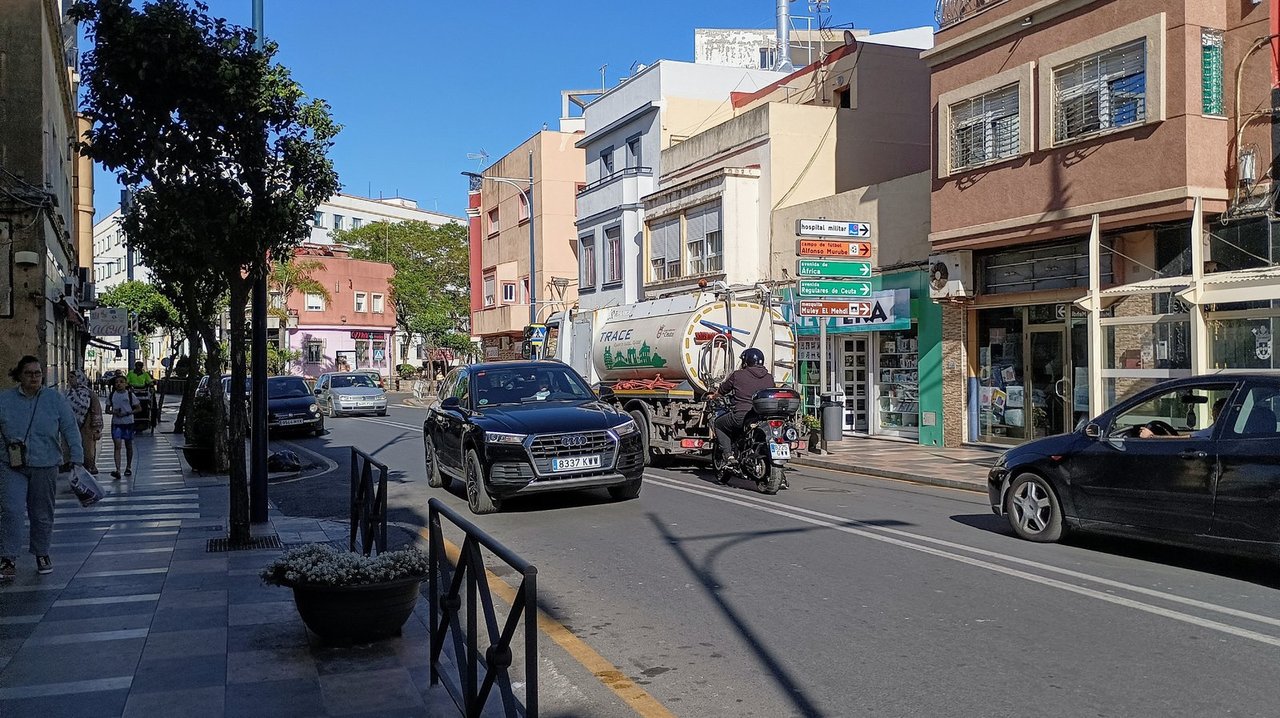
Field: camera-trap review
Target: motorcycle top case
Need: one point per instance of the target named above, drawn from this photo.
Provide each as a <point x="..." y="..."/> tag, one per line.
<point x="779" y="401"/>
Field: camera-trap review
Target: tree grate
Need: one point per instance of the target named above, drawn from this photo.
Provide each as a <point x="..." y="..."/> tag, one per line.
<point x="219" y="545"/>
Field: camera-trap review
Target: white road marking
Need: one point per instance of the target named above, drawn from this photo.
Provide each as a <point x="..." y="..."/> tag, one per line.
<point x="846" y="525"/>
<point x="384" y="422"/>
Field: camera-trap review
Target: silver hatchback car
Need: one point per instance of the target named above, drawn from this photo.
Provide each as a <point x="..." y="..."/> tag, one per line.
<point x="350" y="392"/>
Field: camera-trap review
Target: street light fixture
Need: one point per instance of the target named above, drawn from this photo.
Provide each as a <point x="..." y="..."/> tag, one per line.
<point x="528" y="198"/>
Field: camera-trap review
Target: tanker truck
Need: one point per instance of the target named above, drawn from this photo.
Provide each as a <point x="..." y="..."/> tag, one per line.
<point x="659" y="358"/>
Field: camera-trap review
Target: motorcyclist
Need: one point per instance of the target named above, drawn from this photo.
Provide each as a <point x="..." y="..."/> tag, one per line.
<point x="139" y="377"/>
<point x="740" y="386"/>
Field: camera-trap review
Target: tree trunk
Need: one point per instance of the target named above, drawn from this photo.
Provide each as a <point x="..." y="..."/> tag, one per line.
<point x="239" y="298"/>
<point x="213" y="367"/>
<point x="189" y="385"/>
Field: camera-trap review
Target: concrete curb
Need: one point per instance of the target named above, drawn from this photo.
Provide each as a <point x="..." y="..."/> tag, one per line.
<point x="832" y="464"/>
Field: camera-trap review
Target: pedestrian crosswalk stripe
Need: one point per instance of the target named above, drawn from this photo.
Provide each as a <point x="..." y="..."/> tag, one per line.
<point x="128" y="517"/>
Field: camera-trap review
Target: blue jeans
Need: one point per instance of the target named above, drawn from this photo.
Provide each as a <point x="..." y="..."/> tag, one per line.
<point x="35" y="488"/>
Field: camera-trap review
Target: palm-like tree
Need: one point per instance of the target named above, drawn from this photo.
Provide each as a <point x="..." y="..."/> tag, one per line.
<point x="287" y="277"/>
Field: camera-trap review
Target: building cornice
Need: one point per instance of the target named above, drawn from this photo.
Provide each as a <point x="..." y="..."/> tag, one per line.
<point x="631" y="116"/>
<point x="1040" y="13"/>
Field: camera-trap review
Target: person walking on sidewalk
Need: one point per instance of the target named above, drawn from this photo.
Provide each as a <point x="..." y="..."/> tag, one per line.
<point x="122" y="405"/>
<point x="32" y="421"/>
<point x="88" y="411"/>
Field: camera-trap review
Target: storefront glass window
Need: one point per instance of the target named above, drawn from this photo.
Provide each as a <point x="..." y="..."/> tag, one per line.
<point x="1001" y="397"/>
<point x="1244" y="343"/>
<point x="362" y="353"/>
<point x="1162" y="345"/>
<point x="897" y="383"/>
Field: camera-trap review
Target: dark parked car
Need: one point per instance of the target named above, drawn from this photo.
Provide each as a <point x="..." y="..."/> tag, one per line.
<point x="523" y="427"/>
<point x="1191" y="462"/>
<point x="290" y="406"/>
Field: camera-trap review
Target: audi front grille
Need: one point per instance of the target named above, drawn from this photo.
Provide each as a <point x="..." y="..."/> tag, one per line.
<point x="545" y="447"/>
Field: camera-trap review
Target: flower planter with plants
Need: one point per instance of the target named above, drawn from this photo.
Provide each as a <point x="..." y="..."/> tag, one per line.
<point x="346" y="598"/>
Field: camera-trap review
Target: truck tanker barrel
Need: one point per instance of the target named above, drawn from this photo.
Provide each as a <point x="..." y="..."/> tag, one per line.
<point x="686" y="338"/>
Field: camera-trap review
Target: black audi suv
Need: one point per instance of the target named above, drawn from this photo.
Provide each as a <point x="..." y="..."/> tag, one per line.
<point x="511" y="428"/>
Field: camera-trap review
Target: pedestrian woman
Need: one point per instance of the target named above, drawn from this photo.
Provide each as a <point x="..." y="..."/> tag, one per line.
<point x="88" y="411"/>
<point x="33" y="420"/>
<point x="122" y="405"/>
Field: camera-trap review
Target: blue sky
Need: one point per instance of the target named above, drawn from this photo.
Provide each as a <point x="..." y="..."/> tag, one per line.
<point x="418" y="84"/>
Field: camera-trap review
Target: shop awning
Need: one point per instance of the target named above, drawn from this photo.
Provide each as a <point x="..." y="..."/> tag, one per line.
<point x="1239" y="285"/>
<point x="1158" y="285"/>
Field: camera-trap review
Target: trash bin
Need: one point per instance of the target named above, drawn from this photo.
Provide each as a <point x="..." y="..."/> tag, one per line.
<point x="832" y="419"/>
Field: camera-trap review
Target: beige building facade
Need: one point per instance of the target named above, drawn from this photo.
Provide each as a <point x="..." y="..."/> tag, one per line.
<point x="500" y="251"/>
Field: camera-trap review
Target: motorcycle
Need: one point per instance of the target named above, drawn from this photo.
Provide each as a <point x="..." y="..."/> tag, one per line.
<point x="764" y="445"/>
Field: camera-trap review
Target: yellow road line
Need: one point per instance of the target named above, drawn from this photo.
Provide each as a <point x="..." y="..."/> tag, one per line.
<point x="608" y="674"/>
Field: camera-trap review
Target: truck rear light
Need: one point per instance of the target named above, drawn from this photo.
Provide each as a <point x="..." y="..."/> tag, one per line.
<point x="691" y="443"/>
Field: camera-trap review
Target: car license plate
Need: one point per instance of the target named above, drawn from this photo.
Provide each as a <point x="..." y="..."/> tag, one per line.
<point x="780" y="451"/>
<point x="575" y="463"/>
<point x="291" y="422"/>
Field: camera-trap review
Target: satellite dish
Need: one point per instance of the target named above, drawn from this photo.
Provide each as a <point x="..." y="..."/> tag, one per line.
<point x="939" y="275"/>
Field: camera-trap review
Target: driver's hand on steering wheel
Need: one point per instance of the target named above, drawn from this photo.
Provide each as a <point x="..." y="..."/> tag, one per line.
<point x="1145" y="433"/>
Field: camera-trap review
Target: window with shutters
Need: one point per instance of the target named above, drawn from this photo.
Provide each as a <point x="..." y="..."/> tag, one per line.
<point x="702" y="239"/>
<point x="1101" y="92"/>
<point x="587" y="262"/>
<point x="984" y="129"/>
<point x="664" y="249"/>
<point x="613" y="255"/>
<point x="490" y="298"/>
<point x="1211" y="72"/>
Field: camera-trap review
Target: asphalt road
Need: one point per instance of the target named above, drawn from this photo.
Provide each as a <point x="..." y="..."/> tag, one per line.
<point x="847" y="596"/>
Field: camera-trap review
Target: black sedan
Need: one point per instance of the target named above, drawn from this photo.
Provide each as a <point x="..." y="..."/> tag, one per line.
<point x="290" y="406"/>
<point x="1193" y="462"/>
<point x="525" y="427"/>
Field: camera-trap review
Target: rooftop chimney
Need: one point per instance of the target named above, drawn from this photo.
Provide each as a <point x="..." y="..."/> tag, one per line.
<point x="782" y="62"/>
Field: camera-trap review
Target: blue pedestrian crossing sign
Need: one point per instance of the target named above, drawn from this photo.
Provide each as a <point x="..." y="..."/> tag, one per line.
<point x="536" y="334"/>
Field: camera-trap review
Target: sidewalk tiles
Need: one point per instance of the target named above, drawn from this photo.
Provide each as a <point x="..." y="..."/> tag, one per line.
<point x="960" y="468"/>
<point x="138" y="619"/>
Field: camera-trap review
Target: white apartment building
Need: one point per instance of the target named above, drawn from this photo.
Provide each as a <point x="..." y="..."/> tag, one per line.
<point x="345" y="211"/>
<point x="627" y="128"/>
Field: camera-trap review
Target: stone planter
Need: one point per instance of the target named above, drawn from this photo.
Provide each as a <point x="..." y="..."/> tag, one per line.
<point x="200" y="458"/>
<point x="343" y="615"/>
<point x="815" y="442"/>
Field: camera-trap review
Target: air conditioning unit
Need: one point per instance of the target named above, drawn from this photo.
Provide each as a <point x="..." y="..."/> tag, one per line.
<point x="951" y="275"/>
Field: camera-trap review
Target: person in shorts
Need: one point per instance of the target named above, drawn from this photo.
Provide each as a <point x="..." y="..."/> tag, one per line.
<point x="122" y="405"/>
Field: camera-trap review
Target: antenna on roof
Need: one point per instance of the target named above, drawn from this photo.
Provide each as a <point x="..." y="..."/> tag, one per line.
<point x="480" y="157"/>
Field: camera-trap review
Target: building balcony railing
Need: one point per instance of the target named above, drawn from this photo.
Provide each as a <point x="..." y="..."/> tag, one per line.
<point x="950" y="12"/>
<point x="617" y="175"/>
<point x="500" y="319"/>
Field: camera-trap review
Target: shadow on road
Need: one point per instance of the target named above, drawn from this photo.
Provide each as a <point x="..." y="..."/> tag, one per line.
<point x="1241" y="568"/>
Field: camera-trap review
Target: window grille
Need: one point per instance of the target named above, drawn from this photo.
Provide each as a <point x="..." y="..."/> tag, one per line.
<point x="985" y="128"/>
<point x="1101" y="92"/>
<point x="664" y="250"/>
<point x="1211" y="72"/>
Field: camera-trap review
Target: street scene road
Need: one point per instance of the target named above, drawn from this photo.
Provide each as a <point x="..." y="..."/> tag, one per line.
<point x="849" y="595"/>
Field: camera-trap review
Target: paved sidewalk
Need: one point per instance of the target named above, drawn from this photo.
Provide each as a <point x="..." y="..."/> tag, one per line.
<point x="140" y="619"/>
<point x="960" y="468"/>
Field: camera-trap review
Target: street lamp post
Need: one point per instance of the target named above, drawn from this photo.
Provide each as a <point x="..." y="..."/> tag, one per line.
<point x="533" y="257"/>
<point x="258" y="355"/>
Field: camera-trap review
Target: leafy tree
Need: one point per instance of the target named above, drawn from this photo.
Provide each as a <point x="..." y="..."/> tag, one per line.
<point x="288" y="276"/>
<point x="431" y="288"/>
<point x="182" y="102"/>
<point x="151" y="309"/>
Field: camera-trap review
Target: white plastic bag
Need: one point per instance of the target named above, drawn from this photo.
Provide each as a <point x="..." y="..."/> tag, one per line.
<point x="85" y="486"/>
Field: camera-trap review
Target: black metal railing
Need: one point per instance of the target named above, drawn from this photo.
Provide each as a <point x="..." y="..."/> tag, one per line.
<point x="368" y="503"/>
<point x="446" y="607"/>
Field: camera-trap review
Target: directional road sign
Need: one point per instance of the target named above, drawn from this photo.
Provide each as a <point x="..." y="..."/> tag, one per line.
<point x="813" y="308"/>
<point x="829" y="228"/>
<point x="832" y="248"/>
<point x="833" y="288"/>
<point x="832" y="268"/>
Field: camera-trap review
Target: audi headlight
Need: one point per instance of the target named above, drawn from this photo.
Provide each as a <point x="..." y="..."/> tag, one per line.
<point x="627" y="427"/>
<point x="314" y="408"/>
<point x="502" y="437"/>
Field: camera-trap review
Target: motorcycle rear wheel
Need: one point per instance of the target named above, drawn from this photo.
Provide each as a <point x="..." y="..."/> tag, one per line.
<point x="772" y="480"/>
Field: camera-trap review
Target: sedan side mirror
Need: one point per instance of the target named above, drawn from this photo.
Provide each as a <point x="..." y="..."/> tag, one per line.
<point x="605" y="393"/>
<point x="1092" y="431"/>
<point x="451" y="403"/>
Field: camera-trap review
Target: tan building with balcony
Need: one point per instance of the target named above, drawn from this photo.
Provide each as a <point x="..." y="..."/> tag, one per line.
<point x="1100" y="203"/>
<point x="500" y="251"/>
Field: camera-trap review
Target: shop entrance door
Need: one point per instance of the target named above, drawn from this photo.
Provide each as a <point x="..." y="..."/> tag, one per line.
<point x="854" y="362"/>
<point x="1048" y="400"/>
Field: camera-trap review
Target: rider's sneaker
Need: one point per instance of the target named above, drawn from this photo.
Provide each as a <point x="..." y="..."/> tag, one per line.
<point x="8" y="569"/>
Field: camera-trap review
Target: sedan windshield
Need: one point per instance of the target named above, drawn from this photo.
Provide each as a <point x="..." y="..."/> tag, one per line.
<point x="342" y="381"/>
<point x="499" y="387"/>
<point x="286" y="387"/>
